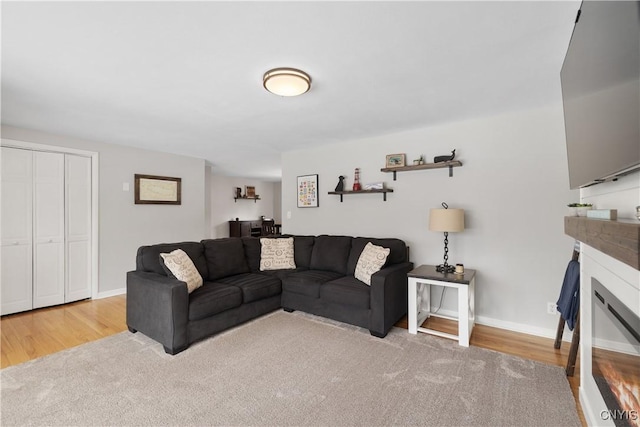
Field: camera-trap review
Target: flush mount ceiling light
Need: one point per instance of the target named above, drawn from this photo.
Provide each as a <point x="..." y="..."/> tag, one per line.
<point x="286" y="81"/>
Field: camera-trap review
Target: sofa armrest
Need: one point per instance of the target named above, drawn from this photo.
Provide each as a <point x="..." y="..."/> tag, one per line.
<point x="158" y="306"/>
<point x="388" y="297"/>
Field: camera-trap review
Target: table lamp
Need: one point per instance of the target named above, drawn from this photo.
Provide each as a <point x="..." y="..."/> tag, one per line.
<point x="448" y="221"/>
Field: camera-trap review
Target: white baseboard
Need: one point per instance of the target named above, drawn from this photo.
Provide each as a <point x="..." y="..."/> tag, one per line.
<point x="113" y="293"/>
<point x="522" y="328"/>
<point x="512" y="326"/>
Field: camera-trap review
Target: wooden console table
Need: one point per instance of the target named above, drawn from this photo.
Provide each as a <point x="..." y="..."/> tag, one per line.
<point x="249" y="228"/>
<point x="245" y="228"/>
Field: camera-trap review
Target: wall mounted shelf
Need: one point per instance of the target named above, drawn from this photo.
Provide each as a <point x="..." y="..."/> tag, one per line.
<point x="384" y="192"/>
<point x="245" y="198"/>
<point x="450" y="164"/>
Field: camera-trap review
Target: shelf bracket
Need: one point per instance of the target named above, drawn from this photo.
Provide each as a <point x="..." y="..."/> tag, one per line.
<point x="450" y="171"/>
<point x="384" y="197"/>
<point x="394" y="176"/>
<point x="341" y="198"/>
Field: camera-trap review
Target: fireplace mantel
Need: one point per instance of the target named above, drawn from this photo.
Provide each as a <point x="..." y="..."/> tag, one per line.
<point x="619" y="239"/>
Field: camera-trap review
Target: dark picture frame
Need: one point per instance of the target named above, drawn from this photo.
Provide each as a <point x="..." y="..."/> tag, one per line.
<point x="157" y="190"/>
<point x="307" y="191"/>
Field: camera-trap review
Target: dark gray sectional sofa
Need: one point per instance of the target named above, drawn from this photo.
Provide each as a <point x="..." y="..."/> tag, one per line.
<point x="235" y="290"/>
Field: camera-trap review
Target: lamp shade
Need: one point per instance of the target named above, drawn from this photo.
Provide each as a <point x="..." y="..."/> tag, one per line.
<point x="447" y="220"/>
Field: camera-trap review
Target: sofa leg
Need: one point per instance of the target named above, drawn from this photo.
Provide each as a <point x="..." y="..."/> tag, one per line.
<point x="173" y="352"/>
<point x="288" y="310"/>
<point x="377" y="334"/>
<point x="133" y="331"/>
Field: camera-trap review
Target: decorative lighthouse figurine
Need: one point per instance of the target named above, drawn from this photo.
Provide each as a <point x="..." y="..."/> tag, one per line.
<point x="356" y="181"/>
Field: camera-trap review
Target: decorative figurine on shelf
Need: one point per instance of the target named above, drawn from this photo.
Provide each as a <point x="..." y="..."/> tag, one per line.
<point x="340" y="186"/>
<point x="439" y="159"/>
<point x="356" y="180"/>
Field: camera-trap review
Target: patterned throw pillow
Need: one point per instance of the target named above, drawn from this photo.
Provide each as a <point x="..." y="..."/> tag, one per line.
<point x="277" y="254"/>
<point x="181" y="266"/>
<point x="371" y="260"/>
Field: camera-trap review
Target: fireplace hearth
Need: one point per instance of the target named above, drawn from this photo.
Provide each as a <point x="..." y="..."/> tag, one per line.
<point x="615" y="354"/>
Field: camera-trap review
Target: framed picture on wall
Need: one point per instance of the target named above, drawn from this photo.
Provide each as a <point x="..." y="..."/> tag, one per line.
<point x="250" y="191"/>
<point x="308" y="191"/>
<point x="395" y="161"/>
<point x="157" y="190"/>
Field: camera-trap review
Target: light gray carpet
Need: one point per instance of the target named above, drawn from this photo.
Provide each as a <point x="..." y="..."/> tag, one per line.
<point x="286" y="369"/>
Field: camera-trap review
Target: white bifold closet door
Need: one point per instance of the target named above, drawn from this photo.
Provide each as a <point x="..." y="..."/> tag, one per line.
<point x="17" y="230"/>
<point x="78" y="228"/>
<point x="46" y="229"/>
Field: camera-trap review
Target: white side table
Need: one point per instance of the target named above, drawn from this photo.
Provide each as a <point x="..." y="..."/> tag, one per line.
<point x="420" y="280"/>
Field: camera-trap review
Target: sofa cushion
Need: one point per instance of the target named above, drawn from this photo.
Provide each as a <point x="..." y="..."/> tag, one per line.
<point x="277" y="254"/>
<point x="252" y="252"/>
<point x="148" y="257"/>
<point x="179" y="265"/>
<point x="331" y="253"/>
<point x="346" y="290"/>
<point x="213" y="298"/>
<point x="397" y="255"/>
<point x="281" y="274"/>
<point x="307" y="282"/>
<point x="254" y="286"/>
<point x="225" y="257"/>
<point x="371" y="260"/>
<point x="303" y="246"/>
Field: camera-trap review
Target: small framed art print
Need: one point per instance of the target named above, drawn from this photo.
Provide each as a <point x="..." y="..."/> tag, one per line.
<point x="307" y="191"/>
<point x="395" y="161"/>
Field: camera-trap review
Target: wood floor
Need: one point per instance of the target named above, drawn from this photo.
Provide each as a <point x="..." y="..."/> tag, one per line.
<point x="36" y="333"/>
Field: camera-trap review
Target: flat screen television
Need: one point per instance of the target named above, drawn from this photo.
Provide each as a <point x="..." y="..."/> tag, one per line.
<point x="600" y="80"/>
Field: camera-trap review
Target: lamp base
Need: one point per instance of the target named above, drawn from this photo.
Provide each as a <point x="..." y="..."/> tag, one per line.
<point x="445" y="268"/>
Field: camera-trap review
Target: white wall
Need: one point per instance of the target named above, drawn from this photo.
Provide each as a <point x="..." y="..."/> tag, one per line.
<point x="123" y="225"/>
<point x="224" y="208"/>
<point x="277" y="202"/>
<point x="513" y="186"/>
<point x="623" y="195"/>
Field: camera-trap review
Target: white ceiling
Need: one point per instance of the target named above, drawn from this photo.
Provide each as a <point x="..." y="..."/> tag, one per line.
<point x="186" y="77"/>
